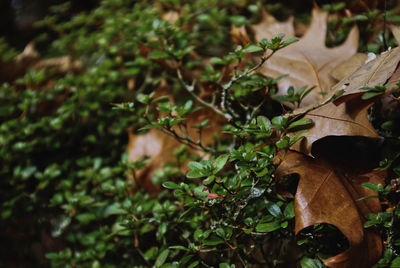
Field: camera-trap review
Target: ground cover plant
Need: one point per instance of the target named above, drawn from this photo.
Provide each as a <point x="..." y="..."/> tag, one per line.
<point x="203" y="134"/>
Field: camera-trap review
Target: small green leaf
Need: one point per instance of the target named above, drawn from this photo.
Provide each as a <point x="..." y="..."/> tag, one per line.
<point x="195" y="165"/>
<point x="224" y="265"/>
<point x="310" y="263"/>
<point x="162" y="258"/>
<point x="216" y="60"/>
<point x="274" y="209"/>
<point x="371" y="94"/>
<point x="289" y="211"/>
<point x="132" y="71"/>
<point x="209" y="180"/>
<point x="194" y="174"/>
<point x="158" y="54"/>
<point x="283" y="143"/>
<point x="253" y="48"/>
<point x="301" y="124"/>
<point x="288" y="42"/>
<point x="370" y="185"/>
<point x="185" y="259"/>
<point x="171" y="185"/>
<point x="263" y="123"/>
<point x="213" y="241"/>
<point x="220" y="231"/>
<point x="268" y="226"/>
<point x="220" y="162"/>
<point x="395" y="263"/>
<point x="194" y="264"/>
<point x="179" y="248"/>
<point x="279" y="121"/>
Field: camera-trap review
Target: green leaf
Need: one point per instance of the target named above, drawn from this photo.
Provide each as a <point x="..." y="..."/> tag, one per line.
<point x="195" y="165"/>
<point x="194" y="174"/>
<point x="263" y="123"/>
<point x="301" y="124"/>
<point x="145" y="99"/>
<point x="279" y="121"/>
<point x="370" y="185"/>
<point x="151" y="253"/>
<point x="253" y="48"/>
<point x="371" y="94"/>
<point x="171" y="185"/>
<point x="209" y="180"/>
<point x="158" y="54"/>
<point x="283" y="143"/>
<point x="213" y="241"/>
<point x="194" y="264"/>
<point x="310" y="263"/>
<point x="268" y="226"/>
<point x="220" y="162"/>
<point x="395" y="263"/>
<point x="162" y="258"/>
<point x="288" y="42"/>
<point x="185" y="259"/>
<point x="216" y="60"/>
<point x="289" y="211"/>
<point x="132" y="71"/>
<point x="179" y="248"/>
<point x="274" y="209"/>
<point x="220" y="231"/>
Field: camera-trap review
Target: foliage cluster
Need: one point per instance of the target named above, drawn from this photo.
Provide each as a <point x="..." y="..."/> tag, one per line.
<point x="66" y="180"/>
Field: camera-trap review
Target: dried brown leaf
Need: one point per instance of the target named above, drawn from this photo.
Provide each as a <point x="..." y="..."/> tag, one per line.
<point x="396" y="32"/>
<point x="349" y="66"/>
<point x="308" y="62"/>
<point x="329" y="194"/>
<point x="372" y="73"/>
<point x="346" y="119"/>
<point x="239" y="35"/>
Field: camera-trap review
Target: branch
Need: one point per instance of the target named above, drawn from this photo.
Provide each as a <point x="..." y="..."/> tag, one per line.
<point x="225" y="89"/>
<point x="207" y="104"/>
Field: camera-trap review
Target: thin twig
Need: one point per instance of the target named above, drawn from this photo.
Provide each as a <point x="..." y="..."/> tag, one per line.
<point x="225" y="89"/>
<point x="190" y="90"/>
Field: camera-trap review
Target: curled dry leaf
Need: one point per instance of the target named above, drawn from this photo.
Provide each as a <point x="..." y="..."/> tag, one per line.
<point x="307" y="62"/>
<point x="347" y="114"/>
<point x="346" y="119"/>
<point x="156" y="145"/>
<point x="60" y="65"/>
<point x="171" y="16"/>
<point x="31" y="58"/>
<point x="17" y="67"/>
<point x="239" y="35"/>
<point x="396" y="33"/>
<point x="372" y="73"/>
<point x="329" y="194"/>
<point x="345" y="68"/>
<point x="349" y="66"/>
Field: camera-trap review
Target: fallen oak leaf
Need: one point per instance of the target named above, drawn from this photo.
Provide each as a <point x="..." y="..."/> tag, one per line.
<point x="359" y="59"/>
<point x="372" y="73"/>
<point x="349" y="66"/>
<point x="396" y="32"/>
<point x="308" y="62"/>
<point x="329" y="194"/>
<point x="239" y="35"/>
<point x="31" y="58"/>
<point x="347" y="114"/>
<point x="156" y="145"/>
<point x="346" y="119"/>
